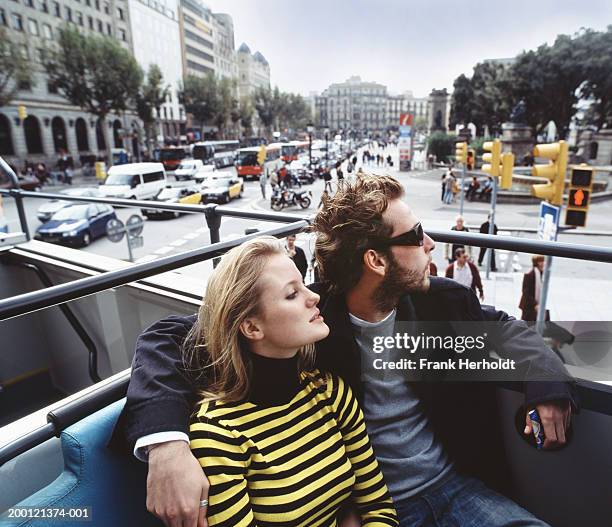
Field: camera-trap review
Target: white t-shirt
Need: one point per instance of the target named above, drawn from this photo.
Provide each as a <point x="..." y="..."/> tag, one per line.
<point x="463" y="275"/>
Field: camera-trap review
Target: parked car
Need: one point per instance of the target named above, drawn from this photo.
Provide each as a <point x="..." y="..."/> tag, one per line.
<point x="48" y="209"/>
<point x="76" y="225"/>
<point x="221" y="187"/>
<point x="186" y="195"/>
<point x="189" y="168"/>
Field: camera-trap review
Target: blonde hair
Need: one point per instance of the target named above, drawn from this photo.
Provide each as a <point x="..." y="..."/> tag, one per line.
<point x="215" y="348"/>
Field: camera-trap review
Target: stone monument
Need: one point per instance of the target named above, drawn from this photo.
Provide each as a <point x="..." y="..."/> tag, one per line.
<point x="517" y="136"/>
<point x="439" y="101"/>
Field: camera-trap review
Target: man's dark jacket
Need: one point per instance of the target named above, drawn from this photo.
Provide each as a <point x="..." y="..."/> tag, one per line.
<point x="463" y="415"/>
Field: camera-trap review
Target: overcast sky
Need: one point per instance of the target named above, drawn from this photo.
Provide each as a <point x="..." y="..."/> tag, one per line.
<point x="404" y="44"/>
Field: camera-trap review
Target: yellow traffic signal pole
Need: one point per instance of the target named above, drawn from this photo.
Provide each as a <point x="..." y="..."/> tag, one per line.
<point x="492" y="160"/>
<point x="461" y="151"/>
<point x="555" y="171"/>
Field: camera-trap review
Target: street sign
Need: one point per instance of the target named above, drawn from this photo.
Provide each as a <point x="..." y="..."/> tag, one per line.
<point x="549" y="222"/>
<point x="115" y="230"/>
<point x="136" y="242"/>
<point x="406" y="119"/>
<point x="134" y="225"/>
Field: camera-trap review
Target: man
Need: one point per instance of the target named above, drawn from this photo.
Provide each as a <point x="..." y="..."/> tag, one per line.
<point x="426" y="434"/>
<point x="297" y="255"/>
<point x="472" y="189"/>
<point x="263" y="181"/>
<point x="465" y="272"/>
<point x="451" y="249"/>
<point x="484" y="229"/>
<point x="532" y="288"/>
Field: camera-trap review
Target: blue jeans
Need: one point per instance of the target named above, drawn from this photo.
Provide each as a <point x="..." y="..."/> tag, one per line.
<point x="464" y="502"/>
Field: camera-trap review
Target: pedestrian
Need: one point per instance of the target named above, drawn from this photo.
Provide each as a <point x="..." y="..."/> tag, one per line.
<point x="465" y="272"/>
<point x="487" y="190"/>
<point x="389" y="160"/>
<point x="449" y="250"/>
<point x="327" y="176"/>
<point x="387" y="285"/>
<point x="444" y="176"/>
<point x="339" y="173"/>
<point x="532" y="290"/>
<point x="68" y="175"/>
<point x="472" y="189"/>
<point x="349" y="167"/>
<point x="354" y="161"/>
<point x="297" y="255"/>
<point x="263" y="181"/>
<point x="449" y="187"/>
<point x="484" y="229"/>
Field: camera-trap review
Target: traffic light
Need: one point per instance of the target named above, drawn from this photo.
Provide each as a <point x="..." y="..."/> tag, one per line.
<point x="261" y="155"/>
<point x="507" y="166"/>
<point x="22" y="112"/>
<point x="461" y="152"/>
<point x="471" y="159"/>
<point x="581" y="186"/>
<point x="492" y="159"/>
<point x="553" y="171"/>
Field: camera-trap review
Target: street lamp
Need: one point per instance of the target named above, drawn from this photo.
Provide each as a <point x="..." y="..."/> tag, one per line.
<point x="310" y="129"/>
<point x="326" y="131"/>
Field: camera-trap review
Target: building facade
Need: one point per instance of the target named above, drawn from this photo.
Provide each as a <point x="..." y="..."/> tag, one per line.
<point x="53" y="126"/>
<point x="149" y="21"/>
<point x="253" y="71"/>
<point x="226" y="65"/>
<point x="354" y="104"/>
<point x="406" y="103"/>
<point x="196" y="37"/>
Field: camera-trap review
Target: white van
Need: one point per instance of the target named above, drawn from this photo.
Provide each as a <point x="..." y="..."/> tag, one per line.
<point x="134" y="181"/>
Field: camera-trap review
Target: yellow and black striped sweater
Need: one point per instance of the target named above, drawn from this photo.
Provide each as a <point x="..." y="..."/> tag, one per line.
<point x="291" y="464"/>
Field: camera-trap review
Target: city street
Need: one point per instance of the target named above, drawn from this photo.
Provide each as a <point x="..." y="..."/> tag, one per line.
<point x="571" y="279"/>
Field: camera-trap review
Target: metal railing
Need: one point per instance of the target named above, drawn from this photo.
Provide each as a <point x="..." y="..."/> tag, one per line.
<point x="30" y="302"/>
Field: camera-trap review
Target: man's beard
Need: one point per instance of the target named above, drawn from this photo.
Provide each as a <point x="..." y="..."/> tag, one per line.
<point x="397" y="282"/>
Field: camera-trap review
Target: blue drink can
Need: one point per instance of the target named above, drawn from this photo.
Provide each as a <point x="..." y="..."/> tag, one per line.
<point x="536" y="426"/>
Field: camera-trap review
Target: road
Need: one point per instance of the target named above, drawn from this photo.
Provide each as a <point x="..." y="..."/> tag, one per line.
<point x="171" y="236"/>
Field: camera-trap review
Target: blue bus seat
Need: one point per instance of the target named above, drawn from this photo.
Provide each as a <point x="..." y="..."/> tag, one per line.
<point x="113" y="485"/>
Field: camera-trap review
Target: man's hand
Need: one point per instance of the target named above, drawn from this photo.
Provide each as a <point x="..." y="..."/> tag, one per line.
<point x="175" y="485"/>
<point x="556" y="418"/>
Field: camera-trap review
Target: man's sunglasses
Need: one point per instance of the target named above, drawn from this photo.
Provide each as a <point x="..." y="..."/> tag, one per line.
<point x="412" y="238"/>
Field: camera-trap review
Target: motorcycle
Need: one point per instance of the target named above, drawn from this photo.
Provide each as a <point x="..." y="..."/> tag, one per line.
<point x="286" y="197"/>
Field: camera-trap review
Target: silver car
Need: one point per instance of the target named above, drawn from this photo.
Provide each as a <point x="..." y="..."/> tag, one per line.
<point x="48" y="209"/>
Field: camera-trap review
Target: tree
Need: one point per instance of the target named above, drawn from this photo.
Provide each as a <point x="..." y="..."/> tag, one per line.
<point x="226" y="103"/>
<point x="152" y="95"/>
<point x="267" y="107"/>
<point x="593" y="52"/>
<point x="441" y="145"/>
<point x="14" y="69"/>
<point x="246" y="111"/>
<point x="95" y="73"/>
<point x="462" y="101"/>
<point x="200" y="98"/>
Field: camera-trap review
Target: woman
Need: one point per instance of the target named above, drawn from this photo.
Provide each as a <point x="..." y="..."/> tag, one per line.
<point x="280" y="442"/>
